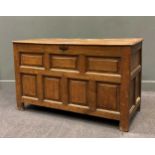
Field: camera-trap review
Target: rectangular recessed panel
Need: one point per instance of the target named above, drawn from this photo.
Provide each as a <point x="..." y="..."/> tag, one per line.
<point x="52" y="88"/>
<point x="132" y="92"/>
<point x="135" y="60"/>
<point x="29" y="85"/>
<point x="107" y="96"/>
<point x="64" y="62"/>
<point x="138" y="82"/>
<point x="78" y="92"/>
<point x="102" y="64"/>
<point x="32" y="60"/>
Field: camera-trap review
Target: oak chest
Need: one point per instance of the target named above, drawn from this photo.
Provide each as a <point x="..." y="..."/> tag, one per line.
<point x="99" y="77"/>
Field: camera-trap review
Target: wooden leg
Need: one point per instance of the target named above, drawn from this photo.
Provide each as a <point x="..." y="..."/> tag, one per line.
<point x="138" y="109"/>
<point x="125" y="90"/>
<point x="20" y="106"/>
<point x="124" y="125"/>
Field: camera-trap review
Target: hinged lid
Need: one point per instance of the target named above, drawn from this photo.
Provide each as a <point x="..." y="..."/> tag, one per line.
<point x="102" y="42"/>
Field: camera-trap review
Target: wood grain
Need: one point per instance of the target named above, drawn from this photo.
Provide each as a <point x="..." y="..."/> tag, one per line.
<point x="52" y="88"/>
<point x="107" y="96"/>
<point x="64" y="62"/>
<point x="72" y="41"/>
<point x="32" y="59"/>
<point x="29" y="85"/>
<point x="78" y="92"/>
<point x="102" y="64"/>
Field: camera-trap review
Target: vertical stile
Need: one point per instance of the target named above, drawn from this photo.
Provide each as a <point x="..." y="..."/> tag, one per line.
<point x="64" y="90"/>
<point x="47" y="61"/>
<point x="124" y="89"/>
<point x="92" y="95"/>
<point x="40" y="87"/>
<point x="82" y="64"/>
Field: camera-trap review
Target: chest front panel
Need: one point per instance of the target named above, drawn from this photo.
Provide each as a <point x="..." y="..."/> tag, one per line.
<point x="85" y="77"/>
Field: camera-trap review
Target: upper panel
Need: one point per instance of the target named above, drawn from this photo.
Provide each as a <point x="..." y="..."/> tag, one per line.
<point x="104" y="42"/>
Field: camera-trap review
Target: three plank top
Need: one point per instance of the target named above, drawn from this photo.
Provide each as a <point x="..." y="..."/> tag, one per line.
<point x="73" y="41"/>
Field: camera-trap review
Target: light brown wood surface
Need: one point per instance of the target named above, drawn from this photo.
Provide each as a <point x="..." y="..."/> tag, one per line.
<point x="73" y="41"/>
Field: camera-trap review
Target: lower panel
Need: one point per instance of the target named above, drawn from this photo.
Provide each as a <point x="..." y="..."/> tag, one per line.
<point x="135" y="89"/>
<point x="107" y="96"/>
<point x="78" y="92"/>
<point x="51" y="88"/>
<point x="82" y="96"/>
<point x="29" y="86"/>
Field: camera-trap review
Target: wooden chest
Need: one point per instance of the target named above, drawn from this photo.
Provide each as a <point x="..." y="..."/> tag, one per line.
<point x="99" y="77"/>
